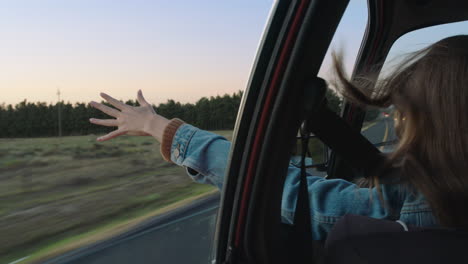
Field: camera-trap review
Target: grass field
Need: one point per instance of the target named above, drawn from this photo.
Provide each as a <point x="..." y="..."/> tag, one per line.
<point x="54" y="189"/>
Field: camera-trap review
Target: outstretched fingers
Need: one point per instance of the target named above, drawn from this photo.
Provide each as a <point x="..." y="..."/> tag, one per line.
<point x="104" y="122"/>
<point x="111" y="135"/>
<point x="104" y="108"/>
<point x="141" y="99"/>
<point x="114" y="101"/>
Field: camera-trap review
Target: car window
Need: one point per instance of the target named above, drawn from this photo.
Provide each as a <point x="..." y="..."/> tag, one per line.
<point x="379" y="124"/>
<point x="60" y="189"/>
<point x="347" y="40"/>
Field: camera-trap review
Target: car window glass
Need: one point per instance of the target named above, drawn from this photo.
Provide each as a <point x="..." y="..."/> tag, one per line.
<point x="379" y="124"/>
<point x="60" y="189"/>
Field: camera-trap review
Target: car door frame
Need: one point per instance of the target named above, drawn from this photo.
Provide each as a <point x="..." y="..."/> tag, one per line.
<point x="290" y="55"/>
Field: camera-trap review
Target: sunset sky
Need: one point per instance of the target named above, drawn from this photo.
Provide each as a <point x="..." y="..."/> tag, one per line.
<point x="179" y="50"/>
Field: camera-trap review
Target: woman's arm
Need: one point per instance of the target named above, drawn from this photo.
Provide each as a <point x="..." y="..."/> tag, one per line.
<point x="202" y="153"/>
<point x="205" y="156"/>
<point x="330" y="199"/>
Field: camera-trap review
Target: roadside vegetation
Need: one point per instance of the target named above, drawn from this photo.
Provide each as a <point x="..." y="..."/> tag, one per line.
<point x="38" y="119"/>
<point x="59" y="193"/>
<point x="52" y="189"/>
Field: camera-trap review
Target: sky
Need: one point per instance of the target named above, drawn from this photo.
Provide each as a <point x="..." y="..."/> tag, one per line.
<point x="180" y="50"/>
<point x="171" y="49"/>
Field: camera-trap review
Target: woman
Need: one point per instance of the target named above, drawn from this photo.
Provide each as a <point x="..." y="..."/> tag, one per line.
<point x="430" y="94"/>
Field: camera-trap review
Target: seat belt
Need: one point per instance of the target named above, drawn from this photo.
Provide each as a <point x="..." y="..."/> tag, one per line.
<point x="350" y="144"/>
<point x="314" y="96"/>
<point x="337" y="135"/>
<point x="302" y="220"/>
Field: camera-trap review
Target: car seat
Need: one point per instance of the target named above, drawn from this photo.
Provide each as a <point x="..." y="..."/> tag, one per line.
<point x="361" y="239"/>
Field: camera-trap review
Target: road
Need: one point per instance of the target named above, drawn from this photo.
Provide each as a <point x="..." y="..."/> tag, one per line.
<point x="183" y="236"/>
<point x="381" y="131"/>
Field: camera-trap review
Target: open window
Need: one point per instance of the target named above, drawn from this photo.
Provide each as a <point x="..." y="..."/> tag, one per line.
<point x="384" y="120"/>
<point x="65" y="195"/>
<point x="347" y="40"/>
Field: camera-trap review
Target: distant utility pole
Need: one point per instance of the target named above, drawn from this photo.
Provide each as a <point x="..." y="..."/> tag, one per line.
<point x="59" y="114"/>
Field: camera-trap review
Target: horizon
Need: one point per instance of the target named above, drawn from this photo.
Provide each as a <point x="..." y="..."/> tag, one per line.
<point x="3" y="104"/>
<point x="170" y="50"/>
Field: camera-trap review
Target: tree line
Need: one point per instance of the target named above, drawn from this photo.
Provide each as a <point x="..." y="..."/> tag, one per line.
<point x="28" y="119"/>
<point x="38" y="119"/>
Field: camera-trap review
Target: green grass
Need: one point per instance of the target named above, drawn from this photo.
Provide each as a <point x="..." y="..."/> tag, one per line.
<point x="54" y="190"/>
<point x="113" y="226"/>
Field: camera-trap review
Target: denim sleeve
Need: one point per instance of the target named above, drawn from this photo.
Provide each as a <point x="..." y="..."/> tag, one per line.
<point x="205" y="156"/>
<point x="202" y="153"/>
<point x="333" y="198"/>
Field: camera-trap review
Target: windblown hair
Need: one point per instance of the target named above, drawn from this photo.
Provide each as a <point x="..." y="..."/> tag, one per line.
<point x="429" y="91"/>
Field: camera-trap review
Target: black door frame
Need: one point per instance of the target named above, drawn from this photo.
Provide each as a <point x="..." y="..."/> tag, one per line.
<point x="296" y="42"/>
<point x="268" y="119"/>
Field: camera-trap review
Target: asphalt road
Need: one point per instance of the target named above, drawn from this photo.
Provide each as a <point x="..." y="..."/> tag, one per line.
<point x="183" y="236"/>
<point x="381" y="131"/>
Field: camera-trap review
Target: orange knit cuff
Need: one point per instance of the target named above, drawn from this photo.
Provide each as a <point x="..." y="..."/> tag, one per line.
<point x="168" y="136"/>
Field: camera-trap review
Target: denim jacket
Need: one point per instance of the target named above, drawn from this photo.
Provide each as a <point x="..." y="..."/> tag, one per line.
<point x="205" y="156"/>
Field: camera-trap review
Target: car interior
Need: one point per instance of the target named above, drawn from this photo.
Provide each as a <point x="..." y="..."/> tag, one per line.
<point x="285" y="95"/>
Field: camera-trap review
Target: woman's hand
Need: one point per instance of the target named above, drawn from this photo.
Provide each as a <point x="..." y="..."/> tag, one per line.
<point x="136" y="121"/>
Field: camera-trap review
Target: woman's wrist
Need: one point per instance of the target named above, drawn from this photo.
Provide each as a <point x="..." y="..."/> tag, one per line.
<point x="156" y="126"/>
<point x="168" y="136"/>
<point x="163" y="130"/>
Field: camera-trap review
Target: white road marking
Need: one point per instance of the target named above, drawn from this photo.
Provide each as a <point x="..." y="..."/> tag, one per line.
<point x="385" y="136"/>
<point x="18" y="260"/>
<point x="368" y="126"/>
